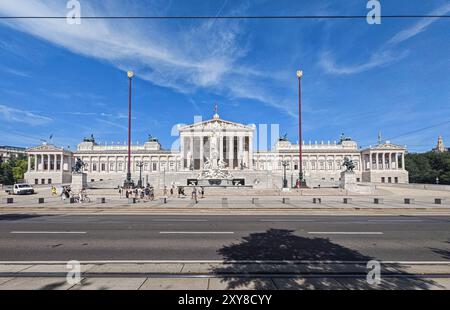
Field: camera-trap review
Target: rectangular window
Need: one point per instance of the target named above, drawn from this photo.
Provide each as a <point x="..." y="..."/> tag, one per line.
<point x="49" y="181"/>
<point x="36" y="181"/>
<point x="383" y="180"/>
<point x="103" y="167"/>
<point x="94" y="167"/>
<point x="389" y="180"/>
<point x="396" y="180"/>
<point x="42" y="181"/>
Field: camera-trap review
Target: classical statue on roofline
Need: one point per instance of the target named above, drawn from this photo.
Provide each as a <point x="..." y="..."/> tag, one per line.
<point x="90" y="139"/>
<point x="283" y="137"/>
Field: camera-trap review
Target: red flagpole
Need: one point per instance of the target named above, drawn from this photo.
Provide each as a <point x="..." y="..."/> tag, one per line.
<point x="300" y="138"/>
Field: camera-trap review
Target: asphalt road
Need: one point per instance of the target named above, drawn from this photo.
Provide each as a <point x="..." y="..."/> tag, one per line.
<point x="229" y="238"/>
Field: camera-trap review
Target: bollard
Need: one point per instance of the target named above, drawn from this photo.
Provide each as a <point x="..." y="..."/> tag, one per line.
<point x="378" y="201"/>
<point x="132" y="200"/>
<point x="408" y="201"/>
<point x="101" y="200"/>
<point x="41" y="200"/>
<point x="439" y="201"/>
<point x="285" y="200"/>
<point x="8" y="200"/>
<point x="347" y="200"/>
<point x="317" y="200"/>
<point x="255" y="200"/>
<point x="163" y="199"/>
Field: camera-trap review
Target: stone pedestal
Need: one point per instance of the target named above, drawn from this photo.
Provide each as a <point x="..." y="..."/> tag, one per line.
<point x="79" y="182"/>
<point x="348" y="180"/>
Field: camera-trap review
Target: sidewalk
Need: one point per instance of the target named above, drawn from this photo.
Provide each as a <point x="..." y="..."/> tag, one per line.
<point x="224" y="275"/>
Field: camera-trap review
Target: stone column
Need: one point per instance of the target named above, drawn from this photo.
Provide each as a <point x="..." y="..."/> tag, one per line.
<point x="29" y="163"/>
<point x="240" y="152"/>
<point x="231" y="152"/>
<point x="48" y="162"/>
<point x="201" y="153"/>
<point x="250" y="152"/>
<point x="221" y="147"/>
<point x="403" y="161"/>
<point x="55" y="162"/>
<point x="35" y="162"/>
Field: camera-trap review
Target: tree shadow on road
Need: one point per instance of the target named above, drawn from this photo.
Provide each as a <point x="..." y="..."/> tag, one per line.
<point x="445" y="254"/>
<point x="19" y="217"/>
<point x="288" y="250"/>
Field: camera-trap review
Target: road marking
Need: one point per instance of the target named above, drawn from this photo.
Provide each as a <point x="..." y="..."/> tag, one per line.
<point x="345" y="232"/>
<point x="178" y="220"/>
<point x="395" y="220"/>
<point x="48" y="232"/>
<point x="286" y="220"/>
<point x="197" y="232"/>
<point x="225" y="262"/>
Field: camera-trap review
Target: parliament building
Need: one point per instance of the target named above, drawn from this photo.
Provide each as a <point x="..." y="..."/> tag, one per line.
<point x="230" y="145"/>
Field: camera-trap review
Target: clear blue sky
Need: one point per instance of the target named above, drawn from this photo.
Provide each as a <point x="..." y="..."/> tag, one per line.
<point x="70" y="80"/>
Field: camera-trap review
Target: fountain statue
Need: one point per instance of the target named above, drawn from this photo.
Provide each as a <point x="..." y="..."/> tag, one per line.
<point x="214" y="169"/>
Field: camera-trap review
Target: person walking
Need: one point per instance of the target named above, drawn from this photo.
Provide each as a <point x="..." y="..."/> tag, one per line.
<point x="202" y="191"/>
<point x="53" y="190"/>
<point x="194" y="195"/>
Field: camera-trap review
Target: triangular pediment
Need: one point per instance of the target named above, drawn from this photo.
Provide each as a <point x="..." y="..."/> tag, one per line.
<point x="387" y="146"/>
<point x="45" y="148"/>
<point x="216" y="124"/>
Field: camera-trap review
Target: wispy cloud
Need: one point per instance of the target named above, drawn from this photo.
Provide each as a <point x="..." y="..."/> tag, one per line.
<point x="9" y="114"/>
<point x="419" y="27"/>
<point x="384" y="55"/>
<point x="183" y="57"/>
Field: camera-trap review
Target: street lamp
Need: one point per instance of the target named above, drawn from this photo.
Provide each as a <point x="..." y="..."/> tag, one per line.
<point x="140" y="164"/>
<point x="285" y="182"/>
<point x="300" y="138"/>
<point x="128" y="182"/>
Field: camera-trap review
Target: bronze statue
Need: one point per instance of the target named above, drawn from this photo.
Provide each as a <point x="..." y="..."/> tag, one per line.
<point x="79" y="165"/>
<point x="348" y="164"/>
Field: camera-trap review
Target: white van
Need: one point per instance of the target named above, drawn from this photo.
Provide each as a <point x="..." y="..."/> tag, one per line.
<point x="23" y="189"/>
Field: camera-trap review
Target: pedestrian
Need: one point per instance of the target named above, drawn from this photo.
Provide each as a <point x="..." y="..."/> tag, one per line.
<point x="127" y="194"/>
<point x="152" y="193"/>
<point x="194" y="195"/>
<point x="63" y="193"/>
<point x="202" y="191"/>
<point x="53" y="190"/>
<point x="120" y="191"/>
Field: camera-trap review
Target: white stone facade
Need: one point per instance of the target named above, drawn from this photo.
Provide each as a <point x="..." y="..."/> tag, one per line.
<point x="236" y="146"/>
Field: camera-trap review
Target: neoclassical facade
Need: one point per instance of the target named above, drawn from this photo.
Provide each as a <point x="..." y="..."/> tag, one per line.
<point x="233" y="144"/>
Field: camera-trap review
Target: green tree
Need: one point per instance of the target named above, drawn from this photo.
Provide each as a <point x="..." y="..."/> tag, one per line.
<point x="13" y="170"/>
<point x="426" y="167"/>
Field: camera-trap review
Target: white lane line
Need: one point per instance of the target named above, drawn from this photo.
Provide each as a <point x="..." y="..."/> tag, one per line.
<point x="345" y="232"/>
<point x="48" y="232"/>
<point x="197" y="232"/>
<point x="395" y="220"/>
<point x="178" y="220"/>
<point x="286" y="220"/>
<point x="222" y="261"/>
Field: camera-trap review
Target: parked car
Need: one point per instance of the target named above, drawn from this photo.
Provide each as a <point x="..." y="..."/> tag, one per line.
<point x="23" y="189"/>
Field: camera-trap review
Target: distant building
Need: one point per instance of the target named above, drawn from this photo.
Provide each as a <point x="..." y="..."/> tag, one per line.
<point x="9" y="152"/>
<point x="440" y="147"/>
